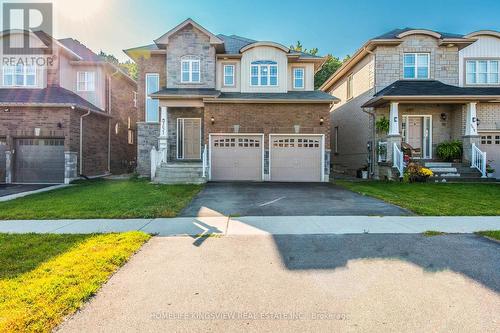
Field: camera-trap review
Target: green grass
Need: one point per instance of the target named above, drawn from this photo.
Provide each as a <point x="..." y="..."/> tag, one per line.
<point x="44" y="278"/>
<point x="432" y="233"/>
<point x="434" y="199"/>
<point x="495" y="234"/>
<point x="102" y="199"/>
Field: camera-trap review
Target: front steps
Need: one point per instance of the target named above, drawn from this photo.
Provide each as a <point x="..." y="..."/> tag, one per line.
<point x="179" y="173"/>
<point x="455" y="172"/>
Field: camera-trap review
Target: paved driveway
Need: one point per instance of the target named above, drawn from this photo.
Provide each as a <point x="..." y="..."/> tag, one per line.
<point x="9" y="189"/>
<point x="285" y="199"/>
<point x="362" y="283"/>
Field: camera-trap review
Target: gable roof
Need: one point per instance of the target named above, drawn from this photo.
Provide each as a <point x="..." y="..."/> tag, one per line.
<point x="395" y="34"/>
<point x="81" y="50"/>
<point x="163" y="40"/>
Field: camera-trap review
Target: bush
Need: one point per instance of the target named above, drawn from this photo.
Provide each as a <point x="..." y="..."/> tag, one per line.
<point x="382" y="125"/>
<point x="449" y="151"/>
<point x="415" y="173"/>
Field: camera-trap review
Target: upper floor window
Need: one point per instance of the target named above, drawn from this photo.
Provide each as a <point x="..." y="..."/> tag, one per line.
<point x="264" y="73"/>
<point x="482" y="72"/>
<point x="152" y="105"/>
<point x="190" y="69"/>
<point x="228" y="75"/>
<point x="349" y="86"/>
<point x="416" y="65"/>
<point x="298" y="78"/>
<point x="19" y="76"/>
<point x="85" y="81"/>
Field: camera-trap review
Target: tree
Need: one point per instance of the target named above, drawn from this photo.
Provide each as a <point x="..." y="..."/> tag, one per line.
<point x="329" y="67"/>
<point x="298" y="47"/>
<point x="128" y="66"/>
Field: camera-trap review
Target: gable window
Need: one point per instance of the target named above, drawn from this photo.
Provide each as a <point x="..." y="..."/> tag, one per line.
<point x="264" y="73"/>
<point x="416" y="65"/>
<point x="349" y="86"/>
<point x="190" y="69"/>
<point x="85" y="81"/>
<point x="19" y="76"/>
<point x="482" y="72"/>
<point x="298" y="78"/>
<point x="152" y="105"/>
<point x="228" y="75"/>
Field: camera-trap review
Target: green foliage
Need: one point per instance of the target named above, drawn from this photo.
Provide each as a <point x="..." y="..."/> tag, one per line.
<point x="382" y="125"/>
<point x="329" y="67"/>
<point x="299" y="48"/>
<point x="432" y="233"/>
<point x="450" y="150"/>
<point x="495" y="234"/>
<point x="128" y="66"/>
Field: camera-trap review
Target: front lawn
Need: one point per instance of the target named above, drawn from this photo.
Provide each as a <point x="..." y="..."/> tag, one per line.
<point x="434" y="199"/>
<point x="495" y="234"/>
<point x="102" y="199"/>
<point x="44" y="278"/>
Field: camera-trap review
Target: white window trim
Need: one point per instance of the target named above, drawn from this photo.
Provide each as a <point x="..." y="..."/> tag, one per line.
<point x="224" y="75"/>
<point x="190" y="70"/>
<point x="350" y="87"/>
<point x="477" y="83"/>
<point x="259" y="77"/>
<point x="149" y="98"/>
<point x="416" y="54"/>
<point x="25" y="75"/>
<point x="303" y="77"/>
<point x="87" y="87"/>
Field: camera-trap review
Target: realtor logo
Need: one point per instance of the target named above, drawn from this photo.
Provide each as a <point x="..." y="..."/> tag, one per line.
<point x="32" y="24"/>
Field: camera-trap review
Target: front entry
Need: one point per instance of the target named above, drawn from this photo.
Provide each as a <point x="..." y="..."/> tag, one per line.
<point x="418" y="135"/>
<point x="189" y="138"/>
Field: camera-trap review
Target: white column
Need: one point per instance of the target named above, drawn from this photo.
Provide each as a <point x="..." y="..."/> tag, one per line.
<point x="394" y="119"/>
<point x="471" y="121"/>
<point x="163" y="139"/>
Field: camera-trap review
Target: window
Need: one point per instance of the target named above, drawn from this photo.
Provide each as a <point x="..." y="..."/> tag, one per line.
<point x="152" y="105"/>
<point x="229" y="75"/>
<point x="264" y="73"/>
<point x="190" y="70"/>
<point x="416" y="65"/>
<point x="482" y="72"/>
<point x="298" y="78"/>
<point x="130" y="136"/>
<point x="85" y="81"/>
<point x="19" y="76"/>
<point x="134" y="98"/>
<point x="349" y="87"/>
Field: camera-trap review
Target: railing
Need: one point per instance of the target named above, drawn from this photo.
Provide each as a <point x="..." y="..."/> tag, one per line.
<point x="398" y="159"/>
<point x="205" y="161"/>
<point x="478" y="160"/>
<point x="157" y="158"/>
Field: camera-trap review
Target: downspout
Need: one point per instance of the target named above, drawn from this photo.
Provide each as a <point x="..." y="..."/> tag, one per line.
<point x="372" y="139"/>
<point x="109" y="120"/>
<point x="81" y="140"/>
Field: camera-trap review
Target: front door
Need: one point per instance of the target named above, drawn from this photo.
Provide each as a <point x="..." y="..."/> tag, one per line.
<point x="189" y="138"/>
<point x="419" y="135"/>
<point x="415" y="132"/>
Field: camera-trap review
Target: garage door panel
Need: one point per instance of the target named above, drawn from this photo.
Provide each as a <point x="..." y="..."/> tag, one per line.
<point x="236" y="158"/>
<point x="3" y="148"/>
<point x="39" y="161"/>
<point x="490" y="143"/>
<point x="296" y="159"/>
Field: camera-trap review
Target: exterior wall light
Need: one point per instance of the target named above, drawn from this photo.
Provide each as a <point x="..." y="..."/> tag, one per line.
<point x="444" y="116"/>
<point x="6" y="110"/>
<point x="321" y="121"/>
<point x="212" y="120"/>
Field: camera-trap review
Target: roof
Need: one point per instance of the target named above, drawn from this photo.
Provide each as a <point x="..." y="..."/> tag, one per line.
<point x="306" y="96"/>
<point x="393" y="34"/>
<point x="187" y="92"/>
<point x="233" y="44"/>
<point x="164" y="39"/>
<point x="52" y="95"/>
<point x="84" y="52"/>
<point x="430" y="88"/>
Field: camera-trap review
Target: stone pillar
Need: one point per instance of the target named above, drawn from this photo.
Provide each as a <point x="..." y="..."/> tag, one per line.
<point x="471" y="134"/>
<point x="394" y="119"/>
<point x="163" y="138"/>
<point x="391" y="140"/>
<point x="8" y="167"/>
<point x="70" y="166"/>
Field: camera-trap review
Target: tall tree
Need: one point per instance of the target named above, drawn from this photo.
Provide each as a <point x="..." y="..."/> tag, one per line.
<point x="128" y="66"/>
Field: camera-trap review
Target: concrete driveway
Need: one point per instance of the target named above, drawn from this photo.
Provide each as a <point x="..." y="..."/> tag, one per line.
<point x="315" y="283"/>
<point x="285" y="199"/>
<point x="10" y="189"/>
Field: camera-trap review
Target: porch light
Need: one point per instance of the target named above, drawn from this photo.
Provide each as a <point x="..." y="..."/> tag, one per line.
<point x="478" y="121"/>
<point x="444" y="116"/>
<point x="212" y="120"/>
<point x="321" y="121"/>
<point x="6" y="110"/>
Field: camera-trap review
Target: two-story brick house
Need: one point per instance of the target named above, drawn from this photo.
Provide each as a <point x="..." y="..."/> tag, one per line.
<point x="431" y="87"/>
<point x="229" y="108"/>
<point x="73" y="116"/>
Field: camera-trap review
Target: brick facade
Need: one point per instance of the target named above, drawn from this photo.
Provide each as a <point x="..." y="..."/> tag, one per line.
<point x="153" y="64"/>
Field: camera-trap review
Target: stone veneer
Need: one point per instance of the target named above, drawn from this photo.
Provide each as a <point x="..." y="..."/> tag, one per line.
<point x="147" y="138"/>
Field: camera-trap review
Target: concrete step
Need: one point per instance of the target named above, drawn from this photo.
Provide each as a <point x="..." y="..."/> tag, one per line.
<point x="438" y="165"/>
<point x="180" y="171"/>
<point x="443" y="170"/>
<point x="465" y="180"/>
<point x="182" y="180"/>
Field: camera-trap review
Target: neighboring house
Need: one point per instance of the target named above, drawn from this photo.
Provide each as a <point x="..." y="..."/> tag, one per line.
<point x="76" y="117"/>
<point x="432" y="87"/>
<point x="230" y="109"/>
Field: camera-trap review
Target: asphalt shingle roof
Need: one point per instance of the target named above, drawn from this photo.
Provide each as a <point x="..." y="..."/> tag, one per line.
<point x="291" y="95"/>
<point x="394" y="33"/>
<point x="80" y="49"/>
<point x="434" y="88"/>
<point x="202" y="92"/>
<point x="49" y="95"/>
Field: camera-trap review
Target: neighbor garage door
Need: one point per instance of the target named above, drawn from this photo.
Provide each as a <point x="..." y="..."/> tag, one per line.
<point x="490" y="143"/>
<point x="39" y="161"/>
<point x="236" y="157"/>
<point x="296" y="158"/>
<point x="3" y="148"/>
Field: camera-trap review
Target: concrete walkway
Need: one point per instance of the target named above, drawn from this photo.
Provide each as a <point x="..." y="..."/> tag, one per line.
<point x="262" y="225"/>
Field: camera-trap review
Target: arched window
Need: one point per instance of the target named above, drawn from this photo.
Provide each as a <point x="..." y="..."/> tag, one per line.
<point x="190" y="69"/>
<point x="264" y="73"/>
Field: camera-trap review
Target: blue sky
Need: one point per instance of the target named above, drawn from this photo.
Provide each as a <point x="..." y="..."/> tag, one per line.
<point x="337" y="27"/>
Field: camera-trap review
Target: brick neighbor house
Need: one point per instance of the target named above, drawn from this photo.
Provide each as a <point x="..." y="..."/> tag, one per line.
<point x="74" y="117"/>
<point x="431" y="87"/>
<point x="219" y="107"/>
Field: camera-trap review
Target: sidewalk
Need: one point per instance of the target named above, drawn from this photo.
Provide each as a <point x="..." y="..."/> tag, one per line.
<point x="272" y="225"/>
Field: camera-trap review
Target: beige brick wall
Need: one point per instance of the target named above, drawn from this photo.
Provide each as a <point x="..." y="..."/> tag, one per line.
<point x="153" y="64"/>
<point x="489" y="115"/>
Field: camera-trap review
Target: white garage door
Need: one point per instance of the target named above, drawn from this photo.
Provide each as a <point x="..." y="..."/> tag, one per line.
<point x="490" y="143"/>
<point x="236" y="157"/>
<point x="296" y="158"/>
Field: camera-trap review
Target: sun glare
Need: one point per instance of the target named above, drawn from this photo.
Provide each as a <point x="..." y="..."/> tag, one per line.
<point x="78" y="10"/>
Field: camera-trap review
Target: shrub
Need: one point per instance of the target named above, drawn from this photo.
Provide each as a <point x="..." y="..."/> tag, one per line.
<point x="449" y="151"/>
<point x="382" y="125"/>
<point x="415" y="173"/>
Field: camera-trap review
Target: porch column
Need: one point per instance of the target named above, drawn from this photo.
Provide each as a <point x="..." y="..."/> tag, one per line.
<point x="163" y="139"/>
<point x="8" y="167"/>
<point x="471" y="133"/>
<point x="393" y="137"/>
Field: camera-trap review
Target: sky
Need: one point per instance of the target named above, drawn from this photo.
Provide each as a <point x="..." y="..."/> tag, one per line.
<point x="335" y="27"/>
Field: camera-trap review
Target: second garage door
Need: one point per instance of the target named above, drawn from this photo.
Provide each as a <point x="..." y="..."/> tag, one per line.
<point x="39" y="161"/>
<point x="236" y="157"/>
<point x="490" y="143"/>
<point x="296" y="158"/>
